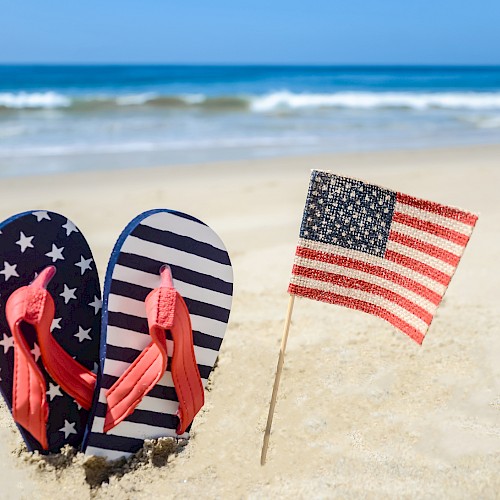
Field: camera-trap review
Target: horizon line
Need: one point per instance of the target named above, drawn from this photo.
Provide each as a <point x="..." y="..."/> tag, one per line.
<point x="256" y="64"/>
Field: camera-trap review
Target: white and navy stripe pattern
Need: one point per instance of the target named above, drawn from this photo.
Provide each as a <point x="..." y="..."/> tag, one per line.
<point x="202" y="274"/>
<point x="379" y="251"/>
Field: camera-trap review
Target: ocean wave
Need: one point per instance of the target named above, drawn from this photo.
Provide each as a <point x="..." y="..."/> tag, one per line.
<point x="374" y="100"/>
<point x="267" y="103"/>
<point x="30" y="100"/>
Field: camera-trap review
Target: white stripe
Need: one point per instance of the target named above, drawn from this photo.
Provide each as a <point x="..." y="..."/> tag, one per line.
<point x="369" y="278"/>
<point x="148" y="403"/>
<point x="136" y="430"/>
<point x="187" y="290"/>
<point x="433" y="239"/>
<point x="139" y="341"/>
<point x="117" y="368"/>
<point x="176" y="257"/>
<point x="376" y="261"/>
<point x="130" y="339"/>
<point x="374" y="299"/>
<point x="208" y="325"/>
<point x="132" y="307"/>
<point x="136" y="277"/>
<point x="170" y="222"/>
<point x="109" y="454"/>
<point x="418" y="213"/>
<point x="421" y="257"/>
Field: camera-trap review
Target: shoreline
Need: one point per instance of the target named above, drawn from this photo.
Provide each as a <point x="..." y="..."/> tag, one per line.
<point x="362" y="410"/>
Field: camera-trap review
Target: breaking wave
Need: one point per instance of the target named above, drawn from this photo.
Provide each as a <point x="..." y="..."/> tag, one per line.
<point x="267" y="103"/>
<point x="374" y="100"/>
<point x="33" y="100"/>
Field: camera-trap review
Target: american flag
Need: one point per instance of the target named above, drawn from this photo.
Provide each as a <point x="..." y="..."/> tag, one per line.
<point x="382" y="252"/>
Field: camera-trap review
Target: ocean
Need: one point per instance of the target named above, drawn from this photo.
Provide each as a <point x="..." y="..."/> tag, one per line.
<point x="62" y="118"/>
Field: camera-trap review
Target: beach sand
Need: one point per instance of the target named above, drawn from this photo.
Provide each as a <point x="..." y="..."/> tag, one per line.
<point x="363" y="411"/>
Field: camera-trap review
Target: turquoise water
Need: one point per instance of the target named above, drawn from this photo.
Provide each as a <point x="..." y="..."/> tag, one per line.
<point x="58" y="118"/>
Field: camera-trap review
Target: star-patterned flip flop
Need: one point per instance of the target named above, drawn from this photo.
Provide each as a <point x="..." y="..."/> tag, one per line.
<point x="49" y="322"/>
<point x="166" y="303"/>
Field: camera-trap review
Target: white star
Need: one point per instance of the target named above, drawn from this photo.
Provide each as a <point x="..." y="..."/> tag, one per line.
<point x="96" y="304"/>
<point x="40" y="215"/>
<point x="36" y="352"/>
<point x="9" y="271"/>
<point x="7" y="342"/>
<point x="84" y="264"/>
<point x="68" y="293"/>
<point x="70" y="227"/>
<point x="69" y="428"/>
<point x="56" y="323"/>
<point x="78" y="405"/>
<point x="54" y="391"/>
<point x="83" y="334"/>
<point x="24" y="241"/>
<point x="56" y="253"/>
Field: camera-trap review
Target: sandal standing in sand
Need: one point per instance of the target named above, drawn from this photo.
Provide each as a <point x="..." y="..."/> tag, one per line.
<point x="167" y="297"/>
<point x="49" y="328"/>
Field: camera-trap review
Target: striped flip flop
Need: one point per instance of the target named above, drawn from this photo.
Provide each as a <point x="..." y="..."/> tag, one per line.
<point x="167" y="298"/>
<point x="49" y="328"/>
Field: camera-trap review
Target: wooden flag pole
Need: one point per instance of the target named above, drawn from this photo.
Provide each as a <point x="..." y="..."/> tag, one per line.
<point x="279" y="369"/>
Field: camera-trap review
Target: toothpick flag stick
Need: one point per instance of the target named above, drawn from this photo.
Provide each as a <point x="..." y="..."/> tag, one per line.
<point x="376" y="250"/>
<point x="279" y="369"/>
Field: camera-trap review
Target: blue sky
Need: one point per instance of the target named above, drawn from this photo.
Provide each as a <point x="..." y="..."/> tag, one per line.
<point x="258" y="31"/>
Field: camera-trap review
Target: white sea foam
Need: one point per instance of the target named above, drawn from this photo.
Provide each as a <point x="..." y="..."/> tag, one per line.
<point x="373" y="100"/>
<point x="45" y="100"/>
<point x="135" y="99"/>
<point x="148" y="97"/>
<point x="194" y="98"/>
<point x="275" y="101"/>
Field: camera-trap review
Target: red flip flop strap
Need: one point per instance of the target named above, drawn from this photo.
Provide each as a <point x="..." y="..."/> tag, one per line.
<point x="34" y="305"/>
<point x="166" y="310"/>
<point x="185" y="373"/>
<point x="74" y="379"/>
<point x="29" y="399"/>
<point x="135" y="383"/>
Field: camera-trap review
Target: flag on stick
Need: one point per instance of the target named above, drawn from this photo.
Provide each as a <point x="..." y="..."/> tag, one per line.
<point x="377" y="250"/>
<point x="373" y="249"/>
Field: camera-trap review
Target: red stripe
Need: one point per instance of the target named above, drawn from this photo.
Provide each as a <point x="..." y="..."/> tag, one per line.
<point x="422" y="246"/>
<point x="418" y="266"/>
<point x="437" y="208"/>
<point x="379" y="271"/>
<point x="432" y="228"/>
<point x="361" y="305"/>
<point x="364" y="286"/>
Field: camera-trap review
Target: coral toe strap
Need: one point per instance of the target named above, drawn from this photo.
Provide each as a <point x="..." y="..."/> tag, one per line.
<point x="166" y="310"/>
<point x="34" y="305"/>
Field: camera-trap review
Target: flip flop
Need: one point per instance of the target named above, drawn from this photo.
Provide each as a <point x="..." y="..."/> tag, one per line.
<point x="49" y="328"/>
<point x="167" y="298"/>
